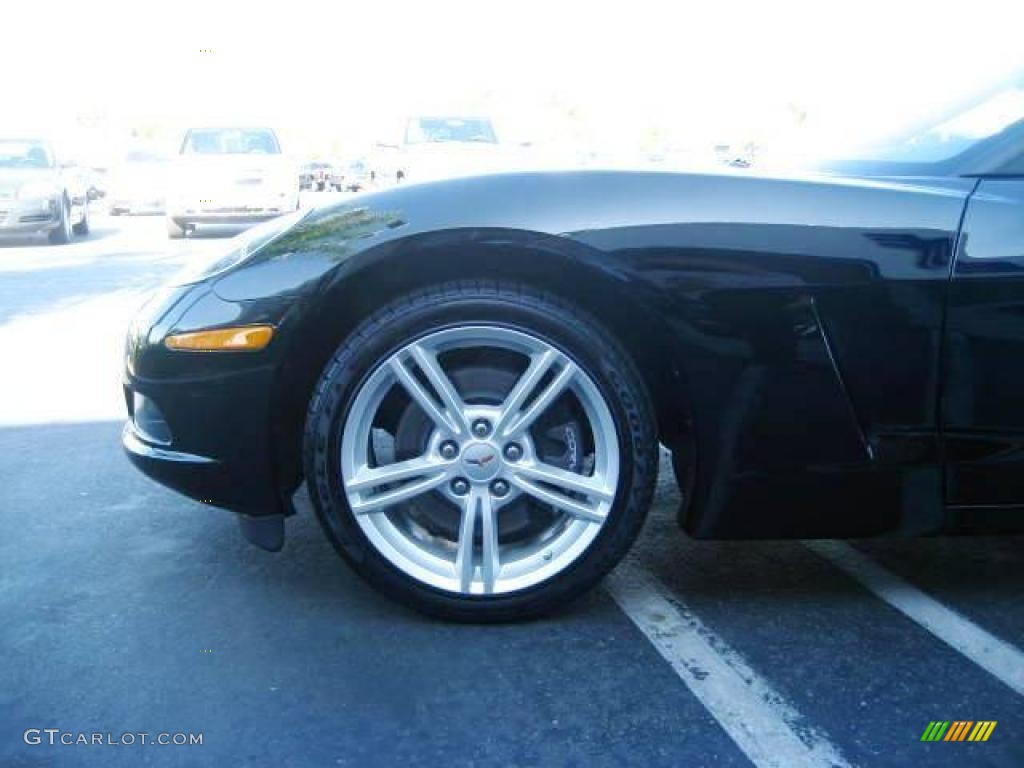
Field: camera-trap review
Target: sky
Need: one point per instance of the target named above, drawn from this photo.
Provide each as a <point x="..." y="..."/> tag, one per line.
<point x="620" y="76"/>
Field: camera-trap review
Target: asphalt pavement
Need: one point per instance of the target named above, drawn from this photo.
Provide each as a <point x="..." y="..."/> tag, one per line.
<point x="127" y="609"/>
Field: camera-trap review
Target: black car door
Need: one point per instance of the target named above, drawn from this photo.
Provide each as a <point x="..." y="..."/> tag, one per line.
<point x="983" y="383"/>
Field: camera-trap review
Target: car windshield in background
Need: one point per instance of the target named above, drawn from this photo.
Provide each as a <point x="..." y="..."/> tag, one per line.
<point x="957" y="134"/>
<point x="438" y="129"/>
<point x="24" y="154"/>
<point x="231" y="141"/>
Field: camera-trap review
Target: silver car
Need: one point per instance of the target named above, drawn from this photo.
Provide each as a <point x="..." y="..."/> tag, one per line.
<point x="37" y="194"/>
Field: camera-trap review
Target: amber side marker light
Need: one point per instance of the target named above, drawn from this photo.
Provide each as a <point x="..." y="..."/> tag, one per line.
<point x="245" y="338"/>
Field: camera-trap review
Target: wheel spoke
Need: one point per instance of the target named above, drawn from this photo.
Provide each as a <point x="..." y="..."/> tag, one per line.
<point x="362" y="503"/>
<point x="371" y="477"/>
<point x="435" y="374"/>
<point x="539" y="364"/>
<point x="490" y="557"/>
<point x="425" y="400"/>
<point x="575" y="507"/>
<point x="592" y="487"/>
<point x="464" y="551"/>
<point x="512" y="419"/>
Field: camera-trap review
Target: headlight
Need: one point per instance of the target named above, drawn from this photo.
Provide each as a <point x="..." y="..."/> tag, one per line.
<point x="240" y="248"/>
<point x="36" y="189"/>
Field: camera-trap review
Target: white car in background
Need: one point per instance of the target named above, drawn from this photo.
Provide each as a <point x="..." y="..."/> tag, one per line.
<point x="448" y="147"/>
<point x="138" y="183"/>
<point x="229" y="175"/>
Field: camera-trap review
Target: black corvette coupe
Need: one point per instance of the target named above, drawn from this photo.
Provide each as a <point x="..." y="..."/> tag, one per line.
<point x="473" y="376"/>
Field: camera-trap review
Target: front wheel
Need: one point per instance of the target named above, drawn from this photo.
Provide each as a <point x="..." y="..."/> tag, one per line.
<point x="481" y="453"/>
<point x="62" y="234"/>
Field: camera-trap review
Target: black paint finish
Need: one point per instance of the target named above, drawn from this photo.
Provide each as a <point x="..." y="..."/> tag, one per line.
<point x="983" y="409"/>
<point x="791" y="332"/>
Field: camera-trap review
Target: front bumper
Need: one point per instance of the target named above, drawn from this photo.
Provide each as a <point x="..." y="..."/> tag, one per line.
<point x="199" y="477"/>
<point x="214" y="440"/>
<point x="219" y="450"/>
<point x="203" y="479"/>
<point x="231" y="205"/>
<point x="25" y="216"/>
<point x="227" y="215"/>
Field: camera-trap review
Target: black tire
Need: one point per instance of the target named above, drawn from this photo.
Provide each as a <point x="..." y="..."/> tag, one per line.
<point x="512" y="306"/>
<point x="82" y="227"/>
<point x="175" y="229"/>
<point x="62" y="234"/>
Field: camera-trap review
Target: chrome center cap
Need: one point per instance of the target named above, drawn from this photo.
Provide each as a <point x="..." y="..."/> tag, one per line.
<point x="480" y="461"/>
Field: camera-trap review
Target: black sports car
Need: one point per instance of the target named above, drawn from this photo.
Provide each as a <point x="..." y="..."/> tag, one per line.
<point x="473" y="376"/>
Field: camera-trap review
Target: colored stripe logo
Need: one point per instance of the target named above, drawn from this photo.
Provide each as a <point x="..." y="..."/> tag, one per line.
<point x="958" y="730"/>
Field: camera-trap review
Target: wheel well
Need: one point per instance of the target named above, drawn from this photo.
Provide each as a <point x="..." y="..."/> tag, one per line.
<point x="608" y="299"/>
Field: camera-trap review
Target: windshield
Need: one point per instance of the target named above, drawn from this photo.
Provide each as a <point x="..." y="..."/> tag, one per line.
<point x="24" y="154"/>
<point x="438" y="129"/>
<point x="957" y="134"/>
<point x="231" y="141"/>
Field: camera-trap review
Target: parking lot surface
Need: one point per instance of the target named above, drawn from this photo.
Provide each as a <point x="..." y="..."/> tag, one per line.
<point x="125" y="608"/>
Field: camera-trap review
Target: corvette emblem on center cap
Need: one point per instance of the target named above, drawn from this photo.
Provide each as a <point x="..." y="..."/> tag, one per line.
<point x="479" y="461"/>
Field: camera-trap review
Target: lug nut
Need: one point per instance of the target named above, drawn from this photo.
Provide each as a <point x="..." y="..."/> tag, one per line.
<point x="513" y="452"/>
<point x="449" y="450"/>
<point x="481" y="428"/>
<point x="499" y="487"/>
<point x="460" y="486"/>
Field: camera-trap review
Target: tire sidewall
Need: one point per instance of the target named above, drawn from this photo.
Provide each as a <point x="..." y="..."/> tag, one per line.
<point x="61" y="235"/>
<point x="82" y="228"/>
<point x="581" y="340"/>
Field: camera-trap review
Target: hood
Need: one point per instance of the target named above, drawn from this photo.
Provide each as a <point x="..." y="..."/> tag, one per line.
<point x="453" y="159"/>
<point x="231" y="163"/>
<point x="187" y="170"/>
<point x="15" y="177"/>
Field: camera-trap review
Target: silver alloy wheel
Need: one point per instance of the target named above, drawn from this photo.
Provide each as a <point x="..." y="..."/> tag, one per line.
<point x="480" y="458"/>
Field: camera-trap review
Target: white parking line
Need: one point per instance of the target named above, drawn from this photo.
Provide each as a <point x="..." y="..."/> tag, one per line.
<point x="996" y="656"/>
<point x="766" y="727"/>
